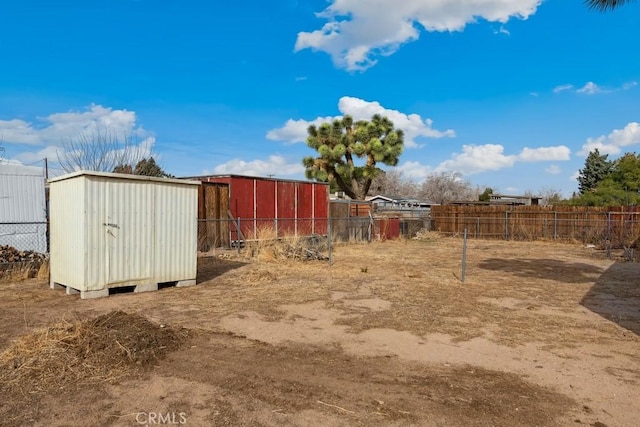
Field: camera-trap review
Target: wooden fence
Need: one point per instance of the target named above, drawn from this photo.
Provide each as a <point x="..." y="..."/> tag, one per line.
<point x="618" y="225"/>
<point x="213" y="208"/>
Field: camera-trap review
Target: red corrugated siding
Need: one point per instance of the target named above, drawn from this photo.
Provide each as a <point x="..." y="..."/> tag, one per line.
<point x="286" y="207"/>
<point x="306" y="201"/>
<point x="265" y="205"/>
<point x="305" y="208"/>
<point x="321" y="208"/>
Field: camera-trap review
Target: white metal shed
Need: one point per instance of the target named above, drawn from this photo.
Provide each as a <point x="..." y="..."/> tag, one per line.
<point x="23" y="214"/>
<point x="113" y="230"/>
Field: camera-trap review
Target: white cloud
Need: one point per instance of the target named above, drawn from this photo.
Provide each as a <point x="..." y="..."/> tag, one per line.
<point x="543" y="154"/>
<point x="502" y="30"/>
<point x="50" y="134"/>
<point x="414" y="170"/>
<point x="590" y="88"/>
<point x="562" y="88"/>
<point x="615" y="141"/>
<point x="491" y="157"/>
<point x="295" y="130"/>
<point x="357" y="32"/>
<point x="478" y="158"/>
<point x="49" y="152"/>
<point x="413" y="125"/>
<point x="59" y="126"/>
<point x="553" y="170"/>
<point x="274" y="165"/>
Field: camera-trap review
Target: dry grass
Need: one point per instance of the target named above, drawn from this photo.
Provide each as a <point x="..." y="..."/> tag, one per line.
<point x="19" y="271"/>
<point x="103" y="349"/>
<point x="546" y="295"/>
<point x="427" y="235"/>
<point x="272" y="247"/>
<point x="515" y="292"/>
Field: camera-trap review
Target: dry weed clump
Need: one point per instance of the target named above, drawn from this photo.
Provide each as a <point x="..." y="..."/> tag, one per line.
<point x="427" y="235"/>
<point x="270" y="247"/>
<point x="19" y="271"/>
<point x="103" y="349"/>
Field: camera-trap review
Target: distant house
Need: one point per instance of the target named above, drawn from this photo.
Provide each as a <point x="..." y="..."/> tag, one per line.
<point x="504" y="199"/>
<point x="23" y="212"/>
<point x="401" y="205"/>
<point x="501" y="200"/>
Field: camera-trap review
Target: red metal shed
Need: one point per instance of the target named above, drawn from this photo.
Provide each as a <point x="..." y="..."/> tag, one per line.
<point x="289" y="206"/>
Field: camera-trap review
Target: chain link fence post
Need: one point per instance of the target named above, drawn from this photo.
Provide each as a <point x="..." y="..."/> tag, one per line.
<point x="463" y="274"/>
<point x="329" y="239"/>
<point x="238" y="233"/>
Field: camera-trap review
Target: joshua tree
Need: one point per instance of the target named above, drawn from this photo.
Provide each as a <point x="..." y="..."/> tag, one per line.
<point x="604" y="5"/>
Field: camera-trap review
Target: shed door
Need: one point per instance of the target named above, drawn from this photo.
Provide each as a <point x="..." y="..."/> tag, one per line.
<point x="129" y="232"/>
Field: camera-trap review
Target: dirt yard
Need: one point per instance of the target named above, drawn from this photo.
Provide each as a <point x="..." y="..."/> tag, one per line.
<point x="540" y="334"/>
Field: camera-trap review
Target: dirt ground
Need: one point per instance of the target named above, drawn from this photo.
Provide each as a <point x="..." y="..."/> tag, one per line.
<point x="539" y="334"/>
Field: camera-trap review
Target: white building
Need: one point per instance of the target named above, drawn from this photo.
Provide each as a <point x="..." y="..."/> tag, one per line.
<point x="23" y="210"/>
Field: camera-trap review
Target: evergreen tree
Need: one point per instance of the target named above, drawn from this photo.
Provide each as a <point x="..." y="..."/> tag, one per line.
<point x="149" y="167"/>
<point x="145" y="167"/>
<point x="486" y="195"/>
<point x="626" y="172"/>
<point x="123" y="169"/>
<point x="596" y="168"/>
<point x="341" y="143"/>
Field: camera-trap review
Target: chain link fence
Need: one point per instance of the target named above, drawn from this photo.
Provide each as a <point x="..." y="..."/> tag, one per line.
<point x="25" y="236"/>
<point x="300" y="238"/>
<point x="234" y="233"/>
<point x="23" y="249"/>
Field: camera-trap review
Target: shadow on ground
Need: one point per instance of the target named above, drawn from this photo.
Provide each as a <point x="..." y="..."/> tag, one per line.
<point x="551" y="269"/>
<point x="209" y="268"/>
<point x="616" y="295"/>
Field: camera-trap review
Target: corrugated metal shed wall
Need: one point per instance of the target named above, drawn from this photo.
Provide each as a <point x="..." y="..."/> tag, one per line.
<point x="69" y="236"/>
<point x="23" y="213"/>
<point x="300" y="207"/>
<point x="176" y="233"/>
<point x="110" y="230"/>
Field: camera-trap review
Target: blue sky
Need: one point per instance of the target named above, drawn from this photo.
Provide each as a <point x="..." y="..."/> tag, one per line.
<point x="510" y="93"/>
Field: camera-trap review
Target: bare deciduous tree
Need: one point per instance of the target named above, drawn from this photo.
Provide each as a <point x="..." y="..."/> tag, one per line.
<point x="447" y="187"/>
<point x="102" y="150"/>
<point x="394" y="183"/>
